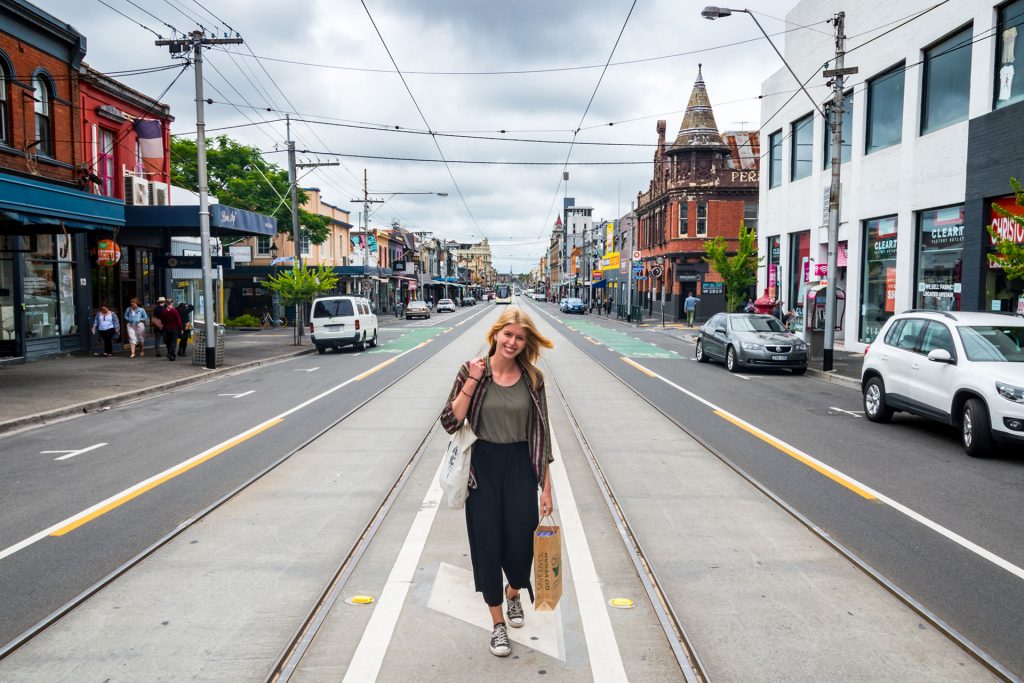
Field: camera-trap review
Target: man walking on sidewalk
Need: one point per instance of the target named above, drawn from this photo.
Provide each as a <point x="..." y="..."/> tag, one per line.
<point x="172" y="330"/>
<point x="690" y="307"/>
<point x="157" y="320"/>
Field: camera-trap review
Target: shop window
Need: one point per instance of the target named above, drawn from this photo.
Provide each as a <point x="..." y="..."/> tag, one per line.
<point x="802" y="147"/>
<point x="1009" y="43"/>
<point x="774" y="262"/>
<point x="750" y="215"/>
<point x="799" y="265"/>
<point x="702" y="219"/>
<point x="878" y="276"/>
<point x="42" y="95"/>
<point x="1001" y="291"/>
<point x="263" y="246"/>
<point x="684" y="218"/>
<point x="49" y="288"/>
<point x="845" y="127"/>
<point x="775" y="158"/>
<point x="947" y="82"/>
<point x="885" y="110"/>
<point x="940" y="257"/>
<point x="105" y="162"/>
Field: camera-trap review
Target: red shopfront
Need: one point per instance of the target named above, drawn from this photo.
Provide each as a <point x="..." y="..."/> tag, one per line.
<point x="1001" y="293"/>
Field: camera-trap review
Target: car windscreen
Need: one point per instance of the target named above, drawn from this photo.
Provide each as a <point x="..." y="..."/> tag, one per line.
<point x="332" y="308"/>
<point x="999" y="343"/>
<point x="742" y="323"/>
<point x="574" y="301"/>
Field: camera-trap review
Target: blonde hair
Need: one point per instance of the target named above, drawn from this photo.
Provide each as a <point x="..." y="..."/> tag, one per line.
<point x="534" y="339"/>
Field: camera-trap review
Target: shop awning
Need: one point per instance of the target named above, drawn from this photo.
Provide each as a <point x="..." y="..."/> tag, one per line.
<point x="600" y="284"/>
<point x="37" y="207"/>
<point x="183" y="221"/>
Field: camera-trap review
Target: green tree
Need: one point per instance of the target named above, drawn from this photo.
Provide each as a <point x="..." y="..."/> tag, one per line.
<point x="1009" y="254"/>
<point x="296" y="286"/>
<point x="738" y="271"/>
<point x="239" y="176"/>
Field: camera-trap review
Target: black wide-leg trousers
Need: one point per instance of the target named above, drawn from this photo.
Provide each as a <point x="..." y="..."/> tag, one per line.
<point x="501" y="516"/>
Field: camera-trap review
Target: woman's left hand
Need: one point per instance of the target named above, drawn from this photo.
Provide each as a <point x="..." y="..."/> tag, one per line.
<point x="546" y="507"/>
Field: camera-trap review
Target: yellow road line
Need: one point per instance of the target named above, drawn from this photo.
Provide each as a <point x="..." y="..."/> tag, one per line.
<point x="130" y="495"/>
<point x="817" y="467"/>
<point x="378" y="367"/>
<point x="592" y="340"/>
<point x="640" y="367"/>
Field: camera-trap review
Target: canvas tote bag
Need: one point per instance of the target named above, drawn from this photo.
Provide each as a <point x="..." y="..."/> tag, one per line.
<point x="454" y="475"/>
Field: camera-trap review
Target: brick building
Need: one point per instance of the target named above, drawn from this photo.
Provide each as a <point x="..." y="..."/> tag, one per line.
<point x="704" y="185"/>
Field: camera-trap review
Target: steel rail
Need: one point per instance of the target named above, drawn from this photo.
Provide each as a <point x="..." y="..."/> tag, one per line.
<point x="959" y="639"/>
<point x="54" y="616"/>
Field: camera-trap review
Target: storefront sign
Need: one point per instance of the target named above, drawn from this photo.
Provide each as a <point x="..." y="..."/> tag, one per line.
<point x="1006" y="228"/>
<point x="688" y="276"/>
<point x="890" y="290"/>
<point x="713" y="288"/>
<point x="610" y="261"/>
<point x="609" y="239"/>
<point x="108" y="253"/>
<point x="773" y="279"/>
<point x="240" y="254"/>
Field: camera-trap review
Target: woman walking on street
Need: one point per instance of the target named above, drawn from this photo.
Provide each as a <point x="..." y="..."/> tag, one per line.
<point x="107" y="325"/>
<point x="135" y="317"/>
<point x="503" y="396"/>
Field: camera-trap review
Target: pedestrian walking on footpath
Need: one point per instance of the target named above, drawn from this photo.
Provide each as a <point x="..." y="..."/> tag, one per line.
<point x="135" y="317"/>
<point x="106" y="324"/>
<point x="504" y="399"/>
<point x="690" y="307"/>
<point x="172" y="327"/>
<point x="185" y="313"/>
<point x="158" y="325"/>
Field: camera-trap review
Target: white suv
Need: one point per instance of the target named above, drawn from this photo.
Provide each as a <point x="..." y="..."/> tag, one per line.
<point x="960" y="368"/>
<point x="338" y="321"/>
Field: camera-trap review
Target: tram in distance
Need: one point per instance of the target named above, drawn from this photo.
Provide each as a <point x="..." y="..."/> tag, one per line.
<point x="503" y="294"/>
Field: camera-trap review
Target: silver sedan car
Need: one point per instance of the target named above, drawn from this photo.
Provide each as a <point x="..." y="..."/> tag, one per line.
<point x="749" y="339"/>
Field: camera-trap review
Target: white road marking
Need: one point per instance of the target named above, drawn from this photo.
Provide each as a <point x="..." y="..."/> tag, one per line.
<point x="369" y="654"/>
<point x="743" y="376"/>
<point x="848" y="412"/>
<point x="307" y="369"/>
<point x="916" y="516"/>
<point x="602" y="648"/>
<point x="245" y="393"/>
<point x="71" y="454"/>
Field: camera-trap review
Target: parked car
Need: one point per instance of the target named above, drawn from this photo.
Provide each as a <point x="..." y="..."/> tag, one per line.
<point x="750" y="339"/>
<point x="338" y="321"/>
<point x="963" y="369"/>
<point x="572" y="305"/>
<point x="468" y="301"/>
<point x="445" y="306"/>
<point x="417" y="309"/>
<point x="539" y="296"/>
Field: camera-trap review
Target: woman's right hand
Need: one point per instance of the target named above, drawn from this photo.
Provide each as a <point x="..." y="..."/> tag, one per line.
<point x="476" y="368"/>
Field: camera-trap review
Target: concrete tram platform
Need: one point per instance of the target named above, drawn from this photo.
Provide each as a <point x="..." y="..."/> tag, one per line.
<point x="761" y="597"/>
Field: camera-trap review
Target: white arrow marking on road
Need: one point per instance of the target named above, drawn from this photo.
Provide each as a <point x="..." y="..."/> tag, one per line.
<point x="251" y="391"/>
<point x="848" y="412"/>
<point x="71" y="454"/>
<point x="307" y="370"/>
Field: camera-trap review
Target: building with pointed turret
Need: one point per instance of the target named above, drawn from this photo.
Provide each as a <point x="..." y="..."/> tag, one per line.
<point x="705" y="184"/>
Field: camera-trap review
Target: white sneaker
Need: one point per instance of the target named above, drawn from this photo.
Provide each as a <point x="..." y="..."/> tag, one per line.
<point x="499" y="641"/>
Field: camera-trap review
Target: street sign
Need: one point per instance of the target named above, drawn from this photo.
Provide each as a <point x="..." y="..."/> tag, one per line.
<point x="365" y="285"/>
<point x="191" y="261"/>
<point x="656" y="271"/>
<point x="636" y="255"/>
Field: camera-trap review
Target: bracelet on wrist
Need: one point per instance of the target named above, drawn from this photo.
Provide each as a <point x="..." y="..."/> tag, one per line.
<point x="474" y="379"/>
<point x="464" y="392"/>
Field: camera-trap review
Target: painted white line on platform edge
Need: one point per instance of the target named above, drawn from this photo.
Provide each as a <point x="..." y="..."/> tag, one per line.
<point x="1000" y="562"/>
<point x="71" y="454"/>
<point x="373" y="646"/>
<point x="72" y="522"/>
<point x="602" y="648"/>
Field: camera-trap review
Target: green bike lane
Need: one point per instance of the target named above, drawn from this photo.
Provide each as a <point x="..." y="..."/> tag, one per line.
<point x="617" y="341"/>
<point x="410" y="339"/>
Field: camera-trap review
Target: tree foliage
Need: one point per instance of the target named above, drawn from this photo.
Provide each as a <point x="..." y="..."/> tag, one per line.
<point x="1009" y="254"/>
<point x="239" y="176"/>
<point x="738" y="271"/>
<point x="300" y="285"/>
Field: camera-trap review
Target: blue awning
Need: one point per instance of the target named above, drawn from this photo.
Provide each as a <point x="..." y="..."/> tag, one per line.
<point x="183" y="221"/>
<point x="599" y="284"/>
<point x="42" y="207"/>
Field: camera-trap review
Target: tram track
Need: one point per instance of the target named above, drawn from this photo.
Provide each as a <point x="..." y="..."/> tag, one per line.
<point x="951" y="633"/>
<point x="56" y="615"/>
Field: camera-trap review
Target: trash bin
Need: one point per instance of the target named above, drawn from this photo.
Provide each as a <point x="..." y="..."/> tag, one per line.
<point x="199" y="343"/>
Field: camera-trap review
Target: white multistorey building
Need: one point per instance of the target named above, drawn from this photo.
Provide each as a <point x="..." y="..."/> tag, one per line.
<point x="931" y="135"/>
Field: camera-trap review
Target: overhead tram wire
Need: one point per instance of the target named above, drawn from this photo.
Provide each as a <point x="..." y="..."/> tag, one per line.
<point x="134" y="21"/>
<point x="437" y="144"/>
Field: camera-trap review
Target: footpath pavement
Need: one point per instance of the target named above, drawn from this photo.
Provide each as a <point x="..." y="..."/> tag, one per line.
<point x="846" y="364"/>
<point x="48" y="390"/>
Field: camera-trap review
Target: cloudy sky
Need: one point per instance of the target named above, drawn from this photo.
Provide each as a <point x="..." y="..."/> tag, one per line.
<point x="449" y="51"/>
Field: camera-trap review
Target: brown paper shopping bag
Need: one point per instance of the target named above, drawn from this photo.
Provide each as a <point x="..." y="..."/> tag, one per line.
<point x="547" y="567"/>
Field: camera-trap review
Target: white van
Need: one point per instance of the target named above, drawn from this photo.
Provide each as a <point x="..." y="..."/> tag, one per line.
<point x="338" y="321"/>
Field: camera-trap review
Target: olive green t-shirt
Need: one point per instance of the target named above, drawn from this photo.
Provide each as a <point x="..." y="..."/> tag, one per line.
<point x="505" y="413"/>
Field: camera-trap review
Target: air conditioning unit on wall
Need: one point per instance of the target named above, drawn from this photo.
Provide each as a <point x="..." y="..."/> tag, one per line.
<point x="158" y="193"/>
<point x="136" y="191"/>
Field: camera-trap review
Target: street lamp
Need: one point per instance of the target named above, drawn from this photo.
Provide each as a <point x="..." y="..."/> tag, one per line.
<point x="836" y="74"/>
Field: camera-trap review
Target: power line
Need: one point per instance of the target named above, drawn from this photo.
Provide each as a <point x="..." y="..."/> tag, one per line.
<point x="134" y="21"/>
<point x="466" y="161"/>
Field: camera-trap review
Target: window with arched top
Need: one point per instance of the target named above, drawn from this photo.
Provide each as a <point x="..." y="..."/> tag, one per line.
<point x="43" y="115"/>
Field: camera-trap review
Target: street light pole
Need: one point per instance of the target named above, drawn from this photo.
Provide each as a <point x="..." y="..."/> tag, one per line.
<point x="195" y="41"/>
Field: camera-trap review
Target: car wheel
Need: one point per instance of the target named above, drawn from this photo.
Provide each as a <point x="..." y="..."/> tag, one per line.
<point x="321" y="349"/>
<point x="361" y="344"/>
<point x="800" y="371"/>
<point x="701" y="356"/>
<point x="373" y="342"/>
<point x="875" y="407"/>
<point x="732" y="364"/>
<point x="975" y="428"/>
